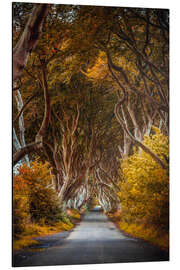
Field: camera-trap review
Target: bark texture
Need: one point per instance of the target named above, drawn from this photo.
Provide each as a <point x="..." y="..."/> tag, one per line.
<point x="29" y="38"/>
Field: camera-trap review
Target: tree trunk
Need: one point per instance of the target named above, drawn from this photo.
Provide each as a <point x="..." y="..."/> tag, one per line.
<point x="63" y="189"/>
<point x="19" y="102"/>
<point x="47" y="109"/>
<point x="29" y="38"/>
<point x="135" y="141"/>
<point x="46" y="119"/>
<point x="24" y="151"/>
<point x="16" y="142"/>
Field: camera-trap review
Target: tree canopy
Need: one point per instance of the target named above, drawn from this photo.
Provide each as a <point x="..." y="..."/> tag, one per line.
<point x="89" y="84"/>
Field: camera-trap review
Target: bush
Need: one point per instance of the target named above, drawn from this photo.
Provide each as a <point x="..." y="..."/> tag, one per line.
<point x="73" y="213"/>
<point x="36" y="208"/>
<point x="145" y="189"/>
<point x="34" y="196"/>
<point x="21" y="214"/>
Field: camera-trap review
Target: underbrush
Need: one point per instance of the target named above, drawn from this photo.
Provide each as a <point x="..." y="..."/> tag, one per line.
<point x="146" y="232"/>
<point x="73" y="214"/>
<point x="23" y="242"/>
<point x="34" y="230"/>
<point x="144" y="192"/>
<point x="114" y="216"/>
<point x="36" y="208"/>
<point x="151" y="234"/>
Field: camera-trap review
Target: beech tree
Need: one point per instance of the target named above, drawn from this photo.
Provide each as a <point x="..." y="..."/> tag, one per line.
<point x="103" y="73"/>
<point x="29" y="38"/>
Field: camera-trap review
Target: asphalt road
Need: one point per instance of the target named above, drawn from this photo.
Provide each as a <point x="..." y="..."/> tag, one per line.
<point x="96" y="240"/>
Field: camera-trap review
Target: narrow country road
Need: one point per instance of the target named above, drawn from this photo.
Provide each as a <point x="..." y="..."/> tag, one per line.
<point x="95" y="240"/>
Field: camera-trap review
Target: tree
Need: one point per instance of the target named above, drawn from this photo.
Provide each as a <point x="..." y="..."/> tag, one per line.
<point x="29" y="38"/>
<point x="144" y="191"/>
<point x="45" y="122"/>
<point x="104" y="75"/>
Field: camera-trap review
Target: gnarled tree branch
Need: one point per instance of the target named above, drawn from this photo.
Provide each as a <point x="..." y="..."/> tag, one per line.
<point x="29" y="38"/>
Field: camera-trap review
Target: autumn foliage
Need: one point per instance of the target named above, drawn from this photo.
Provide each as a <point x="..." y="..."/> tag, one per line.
<point x="34" y="198"/>
<point x="144" y="191"/>
<point x="95" y="83"/>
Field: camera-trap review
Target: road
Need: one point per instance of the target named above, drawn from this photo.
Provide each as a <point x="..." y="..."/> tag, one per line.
<point x="96" y="240"/>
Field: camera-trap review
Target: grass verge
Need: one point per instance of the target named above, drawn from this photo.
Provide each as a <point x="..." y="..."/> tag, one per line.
<point x="142" y="231"/>
<point x="34" y="230"/>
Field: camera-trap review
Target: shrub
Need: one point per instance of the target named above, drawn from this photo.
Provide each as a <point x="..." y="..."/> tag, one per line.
<point x="145" y="189"/>
<point x="73" y="213"/>
<point x="34" y="194"/>
<point x="21" y="214"/>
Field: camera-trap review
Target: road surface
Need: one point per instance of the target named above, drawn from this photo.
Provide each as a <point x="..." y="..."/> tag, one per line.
<point x="96" y="240"/>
